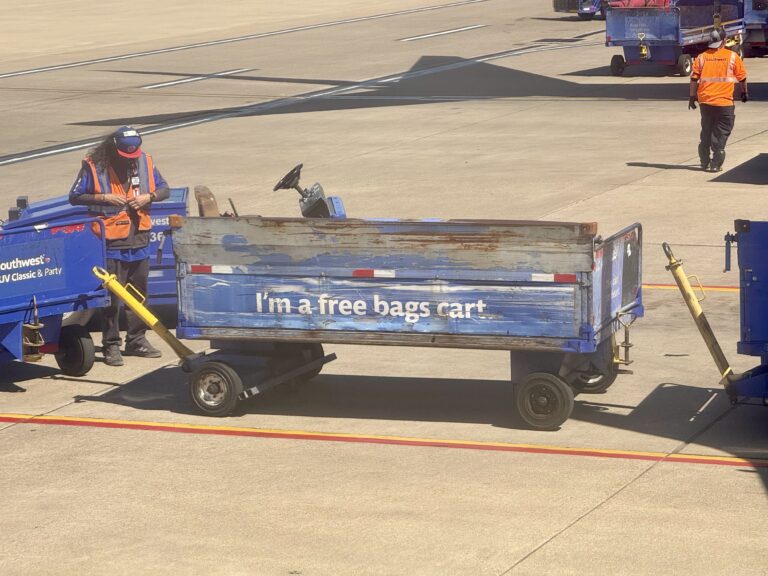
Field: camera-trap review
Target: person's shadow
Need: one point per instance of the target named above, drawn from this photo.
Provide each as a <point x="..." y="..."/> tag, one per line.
<point x="694" y="167"/>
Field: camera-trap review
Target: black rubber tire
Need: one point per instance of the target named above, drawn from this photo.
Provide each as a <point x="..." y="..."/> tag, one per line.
<point x="76" y="351"/>
<point x="618" y="64"/>
<point x="214" y="388"/>
<point x="586" y="16"/>
<point x="595" y="383"/>
<point x="544" y="401"/>
<point x="685" y="65"/>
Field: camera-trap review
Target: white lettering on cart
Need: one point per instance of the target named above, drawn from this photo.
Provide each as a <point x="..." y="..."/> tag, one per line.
<point x="410" y="310"/>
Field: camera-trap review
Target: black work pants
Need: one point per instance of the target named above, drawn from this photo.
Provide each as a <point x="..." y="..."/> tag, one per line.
<point x="137" y="274"/>
<point x="716" y="126"/>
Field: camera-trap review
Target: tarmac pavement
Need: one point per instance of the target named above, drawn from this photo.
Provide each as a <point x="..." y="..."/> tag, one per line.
<point x="393" y="460"/>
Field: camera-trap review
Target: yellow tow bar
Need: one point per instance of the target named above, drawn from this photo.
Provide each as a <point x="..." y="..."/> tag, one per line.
<point x="694" y="306"/>
<point x="135" y="302"/>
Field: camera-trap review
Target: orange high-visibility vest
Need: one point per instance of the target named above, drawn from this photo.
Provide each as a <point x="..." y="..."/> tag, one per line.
<point x="717" y="70"/>
<point x="117" y="222"/>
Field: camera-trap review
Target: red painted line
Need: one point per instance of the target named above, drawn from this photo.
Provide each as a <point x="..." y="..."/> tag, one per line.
<point x="255" y="433"/>
<point x="362" y="273"/>
<point x="200" y="269"/>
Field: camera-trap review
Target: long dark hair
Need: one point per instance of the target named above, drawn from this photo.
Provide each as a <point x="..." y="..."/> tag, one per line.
<point x="102" y="154"/>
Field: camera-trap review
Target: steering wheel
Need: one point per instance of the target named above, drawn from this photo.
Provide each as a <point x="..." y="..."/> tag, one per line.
<point x="290" y="180"/>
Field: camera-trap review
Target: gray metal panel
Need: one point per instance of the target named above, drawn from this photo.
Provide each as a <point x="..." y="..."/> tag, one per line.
<point x="387" y="339"/>
<point x="543" y="247"/>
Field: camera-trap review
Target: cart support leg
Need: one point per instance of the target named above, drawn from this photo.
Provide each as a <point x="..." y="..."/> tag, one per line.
<point x="694" y="306"/>
<point x="136" y="304"/>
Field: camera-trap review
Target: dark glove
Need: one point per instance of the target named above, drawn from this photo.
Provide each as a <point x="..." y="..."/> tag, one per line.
<point x="692" y="103"/>
<point x="744" y="97"/>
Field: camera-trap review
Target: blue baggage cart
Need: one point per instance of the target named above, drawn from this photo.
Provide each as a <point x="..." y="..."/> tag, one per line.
<point x="162" y="273"/>
<point x="756" y="22"/>
<point x="673" y="34"/>
<point x="44" y="280"/>
<point x="586" y="9"/>
<point x="554" y="294"/>
<point x="751" y="239"/>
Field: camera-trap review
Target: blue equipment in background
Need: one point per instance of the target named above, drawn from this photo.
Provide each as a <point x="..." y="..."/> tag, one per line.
<point x="162" y="273"/>
<point x="44" y="278"/>
<point x="586" y="9"/>
<point x="672" y="35"/>
<point x="756" y="21"/>
<point x="751" y="239"/>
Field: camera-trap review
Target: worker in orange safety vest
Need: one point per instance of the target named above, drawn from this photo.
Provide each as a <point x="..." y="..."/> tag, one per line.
<point x="715" y="73"/>
<point x="118" y="182"/>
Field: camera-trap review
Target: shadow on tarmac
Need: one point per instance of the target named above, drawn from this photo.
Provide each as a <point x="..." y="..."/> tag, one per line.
<point x="572" y="18"/>
<point x="641" y="71"/>
<point x="14" y="373"/>
<point x="685" y="413"/>
<point x="694" y="167"/>
<point x="431" y="79"/>
<point x="753" y="171"/>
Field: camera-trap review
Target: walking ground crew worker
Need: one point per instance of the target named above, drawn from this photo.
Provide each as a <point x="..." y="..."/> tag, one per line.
<point x="119" y="182"/>
<point x="712" y="81"/>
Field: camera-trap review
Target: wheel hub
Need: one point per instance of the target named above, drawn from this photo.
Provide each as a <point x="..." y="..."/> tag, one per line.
<point x="542" y="400"/>
<point x="211" y="390"/>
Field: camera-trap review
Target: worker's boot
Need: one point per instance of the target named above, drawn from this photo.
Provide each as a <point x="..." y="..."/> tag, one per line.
<point x="112" y="356"/>
<point x="717" y="161"/>
<point x="143" y="349"/>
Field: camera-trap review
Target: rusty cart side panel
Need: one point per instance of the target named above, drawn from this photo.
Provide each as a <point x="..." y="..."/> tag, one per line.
<point x="469" y="284"/>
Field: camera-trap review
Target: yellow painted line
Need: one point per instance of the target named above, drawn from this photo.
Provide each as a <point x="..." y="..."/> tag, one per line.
<point x="375" y="439"/>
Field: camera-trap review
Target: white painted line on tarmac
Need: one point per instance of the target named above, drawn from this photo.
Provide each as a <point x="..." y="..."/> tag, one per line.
<point x="238" y="38"/>
<point x="443" y="33"/>
<point x="263" y="106"/>
<point x="195" y="79"/>
<point x="703" y="407"/>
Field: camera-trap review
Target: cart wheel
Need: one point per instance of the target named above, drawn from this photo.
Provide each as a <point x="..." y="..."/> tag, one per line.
<point x="214" y="387"/>
<point x="595" y="382"/>
<point x="684" y="64"/>
<point x="76" y="352"/>
<point x="544" y="401"/>
<point x="618" y="64"/>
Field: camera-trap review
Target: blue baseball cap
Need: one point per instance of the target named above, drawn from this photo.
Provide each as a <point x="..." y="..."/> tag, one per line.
<point x="128" y="142"/>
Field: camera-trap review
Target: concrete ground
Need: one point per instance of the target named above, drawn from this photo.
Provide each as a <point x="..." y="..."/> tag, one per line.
<point x="382" y="464"/>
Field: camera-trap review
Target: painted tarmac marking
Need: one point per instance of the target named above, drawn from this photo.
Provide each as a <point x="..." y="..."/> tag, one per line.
<point x="237" y="39"/>
<point x="703" y="407"/>
<point x="260" y="107"/>
<point x="196" y="79"/>
<point x="391" y="440"/>
<point x="443" y="33"/>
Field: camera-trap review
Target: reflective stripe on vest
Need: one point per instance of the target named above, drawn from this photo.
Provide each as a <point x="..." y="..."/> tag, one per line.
<point x="116" y="220"/>
<point x="728" y="78"/>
